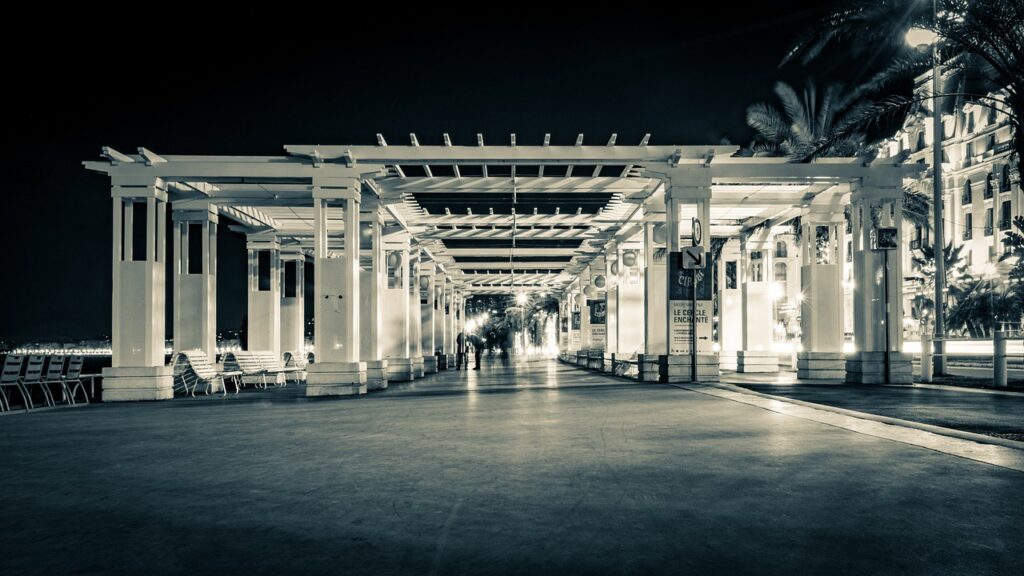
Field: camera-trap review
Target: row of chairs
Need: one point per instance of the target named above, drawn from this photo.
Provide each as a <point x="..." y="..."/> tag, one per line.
<point x="22" y="374"/>
<point x="194" y="370"/>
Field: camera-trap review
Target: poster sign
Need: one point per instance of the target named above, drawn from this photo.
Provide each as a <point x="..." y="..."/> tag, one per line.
<point x="598" y="315"/>
<point x="576" y="320"/>
<point x="681" y="291"/>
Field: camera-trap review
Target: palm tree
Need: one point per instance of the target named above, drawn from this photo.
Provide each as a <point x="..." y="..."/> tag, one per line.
<point x="805" y="124"/>
<point x="812" y="126"/>
<point x="981" y="43"/>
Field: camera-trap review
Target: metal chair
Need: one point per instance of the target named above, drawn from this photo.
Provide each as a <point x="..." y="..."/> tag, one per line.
<point x="11" y="378"/>
<point x="34" y="377"/>
<point x="74" y="376"/>
<point x="53" y="375"/>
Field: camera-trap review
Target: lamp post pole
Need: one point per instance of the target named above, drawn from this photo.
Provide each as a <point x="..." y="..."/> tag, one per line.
<point x="939" y="244"/>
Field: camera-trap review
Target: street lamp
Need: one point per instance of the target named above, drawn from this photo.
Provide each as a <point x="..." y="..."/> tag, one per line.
<point x="922" y="38"/>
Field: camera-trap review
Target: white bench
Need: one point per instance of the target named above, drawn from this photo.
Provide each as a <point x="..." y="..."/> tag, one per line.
<point x="192" y="368"/>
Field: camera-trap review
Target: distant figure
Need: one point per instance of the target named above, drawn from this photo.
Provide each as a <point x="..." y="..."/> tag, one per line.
<point x="477" y="352"/>
<point x="460" y="351"/>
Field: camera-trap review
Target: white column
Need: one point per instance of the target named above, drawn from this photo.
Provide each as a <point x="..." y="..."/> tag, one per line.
<point x="612" y="269"/>
<point x="428" y="316"/>
<point x="415" y="316"/>
<point x="293" y="302"/>
<point x="758" y="318"/>
<point x="655" y="277"/>
<point x="730" y="309"/>
<point x="338" y="369"/>
<point x="876" y="204"/>
<point x="440" y="344"/>
<point x="689" y="190"/>
<point x="138" y="370"/>
<point x="823" y="253"/>
<point x="264" y="302"/>
<point x="629" y="303"/>
<point x="396" y="306"/>
<point x="584" y="298"/>
<point x="195" y="280"/>
<point x="371" y="288"/>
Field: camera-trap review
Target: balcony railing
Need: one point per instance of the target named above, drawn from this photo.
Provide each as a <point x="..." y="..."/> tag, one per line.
<point x="1004" y="224"/>
<point x="966" y="198"/>
<point x="988" y="230"/>
<point x="989" y="192"/>
<point x="968" y="234"/>
<point x="915" y="244"/>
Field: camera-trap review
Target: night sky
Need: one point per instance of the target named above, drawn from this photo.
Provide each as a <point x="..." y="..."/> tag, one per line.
<point x="251" y="82"/>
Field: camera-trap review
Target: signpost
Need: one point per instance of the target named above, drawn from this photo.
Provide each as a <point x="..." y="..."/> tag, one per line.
<point x="884" y="240"/>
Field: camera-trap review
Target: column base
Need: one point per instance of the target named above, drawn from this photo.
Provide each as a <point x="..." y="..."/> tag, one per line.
<point x="678" y="368"/>
<point x="376" y="374"/>
<point x="648" y="368"/>
<point x="869" y="368"/>
<point x="400" y="369"/>
<point x="417" y="367"/>
<point x="452" y="361"/>
<point x="595" y="359"/>
<point x="727" y="359"/>
<point x="336" y="379"/>
<point x="430" y="364"/>
<point x="750" y="361"/>
<point x="821" y="365"/>
<point x="130" y="384"/>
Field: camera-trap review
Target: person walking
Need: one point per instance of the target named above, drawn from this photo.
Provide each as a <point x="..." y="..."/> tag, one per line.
<point x="478" y="351"/>
<point x="460" y="352"/>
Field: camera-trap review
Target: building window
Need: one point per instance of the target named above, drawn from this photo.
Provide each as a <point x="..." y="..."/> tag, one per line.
<point x="263" y="270"/>
<point x="756" y="267"/>
<point x="968" y="225"/>
<point x="970" y="122"/>
<point x="780" y="272"/>
<point x="1004" y="215"/>
<point x="988" y="222"/>
<point x="1004" y="182"/>
<point x="989" y="185"/>
<point x="991" y="115"/>
<point x="967" y="196"/>
<point x="780" y="249"/>
<point x="920" y="141"/>
<point x="915" y="244"/>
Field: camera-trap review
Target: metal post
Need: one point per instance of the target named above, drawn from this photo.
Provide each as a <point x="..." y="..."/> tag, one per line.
<point x="999" y="359"/>
<point x="888" y="346"/>
<point x="939" y="244"/>
<point x="693" y="326"/>
<point x="926" y="357"/>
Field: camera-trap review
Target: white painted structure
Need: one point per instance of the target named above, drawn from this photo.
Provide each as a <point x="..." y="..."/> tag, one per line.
<point x="401" y="237"/>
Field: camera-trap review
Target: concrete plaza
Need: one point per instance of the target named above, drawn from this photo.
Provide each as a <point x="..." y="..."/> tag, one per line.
<point x="535" y="468"/>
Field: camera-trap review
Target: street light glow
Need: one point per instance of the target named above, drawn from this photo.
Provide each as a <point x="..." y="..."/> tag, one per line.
<point x="919" y="37"/>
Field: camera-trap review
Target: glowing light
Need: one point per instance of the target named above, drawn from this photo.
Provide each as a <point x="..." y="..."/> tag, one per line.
<point x="776" y="291"/>
<point x="521" y="298"/>
<point x="918" y="37"/>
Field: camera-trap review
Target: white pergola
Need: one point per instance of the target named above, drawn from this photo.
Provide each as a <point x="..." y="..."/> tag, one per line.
<point x="488" y="218"/>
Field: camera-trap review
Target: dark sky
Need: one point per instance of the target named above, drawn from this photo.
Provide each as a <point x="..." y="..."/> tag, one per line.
<point x="248" y="83"/>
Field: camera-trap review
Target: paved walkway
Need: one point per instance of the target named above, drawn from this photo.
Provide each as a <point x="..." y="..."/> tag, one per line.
<point x="539" y="469"/>
<point x="999" y="414"/>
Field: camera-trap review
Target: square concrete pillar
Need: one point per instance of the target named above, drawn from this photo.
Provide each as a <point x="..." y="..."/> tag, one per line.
<point x="878" y="280"/>
<point x="730" y="304"/>
<point x="371" y="287"/>
<point x="195" y="280"/>
<point x="338" y="369"/>
<point x="396" y="306"/>
<point x="138" y="369"/>
<point x="688" y="223"/>
<point x="293" y="302"/>
<point x="428" y="316"/>
<point x="758" y="306"/>
<point x="823" y="254"/>
<point x="263" y="329"/>
<point x="415" y="316"/>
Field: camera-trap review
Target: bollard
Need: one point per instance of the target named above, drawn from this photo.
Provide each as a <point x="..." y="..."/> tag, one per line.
<point x="999" y="359"/>
<point x="926" y="357"/>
